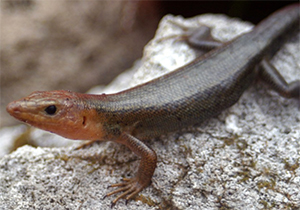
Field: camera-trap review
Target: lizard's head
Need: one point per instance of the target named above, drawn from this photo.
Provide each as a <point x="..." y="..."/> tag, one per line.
<point x="61" y="112"/>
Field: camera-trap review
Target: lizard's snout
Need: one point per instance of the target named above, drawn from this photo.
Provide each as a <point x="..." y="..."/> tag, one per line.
<point x="13" y="108"/>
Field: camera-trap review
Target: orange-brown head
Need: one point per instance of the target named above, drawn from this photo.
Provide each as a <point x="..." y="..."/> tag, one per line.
<point x="62" y="112"/>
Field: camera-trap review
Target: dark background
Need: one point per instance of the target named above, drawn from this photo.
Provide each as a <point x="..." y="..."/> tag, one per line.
<point x="253" y="11"/>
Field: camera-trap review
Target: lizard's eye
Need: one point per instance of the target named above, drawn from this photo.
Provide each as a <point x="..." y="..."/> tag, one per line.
<point x="51" y="110"/>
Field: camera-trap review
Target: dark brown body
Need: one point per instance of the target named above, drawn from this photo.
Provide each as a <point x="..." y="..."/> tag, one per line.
<point x="203" y="88"/>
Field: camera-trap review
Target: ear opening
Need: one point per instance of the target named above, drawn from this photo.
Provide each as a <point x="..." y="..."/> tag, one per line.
<point x="84" y="120"/>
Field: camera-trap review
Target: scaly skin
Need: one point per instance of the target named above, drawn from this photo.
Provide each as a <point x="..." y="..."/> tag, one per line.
<point x="189" y="95"/>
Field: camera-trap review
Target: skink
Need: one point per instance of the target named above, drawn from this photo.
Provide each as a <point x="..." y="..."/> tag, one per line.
<point x="184" y="97"/>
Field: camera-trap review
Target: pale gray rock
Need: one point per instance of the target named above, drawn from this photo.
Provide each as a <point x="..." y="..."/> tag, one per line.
<point x="246" y="158"/>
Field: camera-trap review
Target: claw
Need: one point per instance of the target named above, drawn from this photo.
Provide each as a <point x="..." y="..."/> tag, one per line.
<point x="129" y="187"/>
<point x="118" y="190"/>
<point x="112" y="205"/>
<point x="132" y="194"/>
<point x="123" y="195"/>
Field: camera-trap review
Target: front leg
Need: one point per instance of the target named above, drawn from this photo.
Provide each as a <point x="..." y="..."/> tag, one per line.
<point x="131" y="187"/>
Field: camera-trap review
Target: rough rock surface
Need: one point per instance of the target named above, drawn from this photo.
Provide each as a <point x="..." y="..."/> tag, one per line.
<point x="246" y="158"/>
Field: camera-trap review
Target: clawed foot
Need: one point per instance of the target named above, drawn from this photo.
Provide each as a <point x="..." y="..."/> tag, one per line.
<point x="129" y="187"/>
